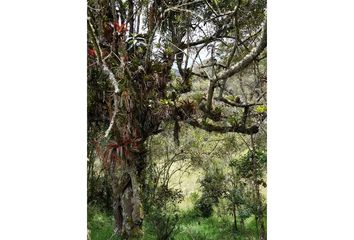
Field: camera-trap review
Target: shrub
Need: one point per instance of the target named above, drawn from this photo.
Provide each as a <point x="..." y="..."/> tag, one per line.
<point x="212" y="187"/>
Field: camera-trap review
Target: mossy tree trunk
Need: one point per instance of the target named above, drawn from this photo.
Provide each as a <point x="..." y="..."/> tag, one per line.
<point x="127" y="196"/>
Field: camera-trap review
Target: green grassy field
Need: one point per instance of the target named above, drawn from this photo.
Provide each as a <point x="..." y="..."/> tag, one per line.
<point x="101" y="227"/>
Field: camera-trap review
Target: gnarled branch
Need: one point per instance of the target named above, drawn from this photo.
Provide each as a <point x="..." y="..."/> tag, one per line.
<point x="223" y="129"/>
<point x="242" y="64"/>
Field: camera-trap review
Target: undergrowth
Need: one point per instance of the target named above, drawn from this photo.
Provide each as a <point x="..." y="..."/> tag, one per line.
<point x="190" y="227"/>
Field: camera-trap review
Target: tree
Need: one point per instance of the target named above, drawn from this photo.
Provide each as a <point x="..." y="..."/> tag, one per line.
<point x="212" y="190"/>
<point x="246" y="178"/>
<point x="132" y="48"/>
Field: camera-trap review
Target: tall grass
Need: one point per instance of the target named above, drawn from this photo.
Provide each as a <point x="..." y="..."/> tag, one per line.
<point x="190" y="227"/>
<point x="100" y="224"/>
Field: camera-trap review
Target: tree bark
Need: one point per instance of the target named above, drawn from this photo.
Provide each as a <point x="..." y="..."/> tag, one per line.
<point x="235" y="219"/>
<point x="242" y="224"/>
<point x="127" y="199"/>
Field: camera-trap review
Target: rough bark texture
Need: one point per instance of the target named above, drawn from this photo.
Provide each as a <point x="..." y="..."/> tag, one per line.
<point x="127" y="203"/>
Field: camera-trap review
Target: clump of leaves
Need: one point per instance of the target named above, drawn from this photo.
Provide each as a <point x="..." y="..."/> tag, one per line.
<point x="165" y="101"/>
<point x="261" y="109"/>
<point x="198" y="97"/>
<point x="233" y="120"/>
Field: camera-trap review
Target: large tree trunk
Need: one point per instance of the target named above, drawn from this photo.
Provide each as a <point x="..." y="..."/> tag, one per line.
<point x="127" y="198"/>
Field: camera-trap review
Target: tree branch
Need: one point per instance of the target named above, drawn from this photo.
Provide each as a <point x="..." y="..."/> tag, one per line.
<point x="239" y="66"/>
<point x="100" y="60"/>
<point x="108" y="72"/>
<point x="223" y="129"/>
<point x="234" y="104"/>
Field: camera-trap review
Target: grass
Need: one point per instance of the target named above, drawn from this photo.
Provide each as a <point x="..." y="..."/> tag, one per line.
<point x="190" y="227"/>
<point x="214" y="227"/>
<point x="100" y="225"/>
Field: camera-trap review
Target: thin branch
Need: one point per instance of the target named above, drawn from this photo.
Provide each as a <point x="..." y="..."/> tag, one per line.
<point x="100" y="59"/>
<point x="115" y="100"/>
<point x="107" y="71"/>
<point x="186" y="4"/>
<point x="241" y="105"/>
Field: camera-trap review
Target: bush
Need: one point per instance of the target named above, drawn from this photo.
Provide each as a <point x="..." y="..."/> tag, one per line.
<point x="213" y="188"/>
<point x="204" y="206"/>
<point x="162" y="217"/>
<point x="162" y="223"/>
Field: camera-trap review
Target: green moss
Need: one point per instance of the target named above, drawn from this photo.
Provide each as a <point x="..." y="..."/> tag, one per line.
<point x="137" y="234"/>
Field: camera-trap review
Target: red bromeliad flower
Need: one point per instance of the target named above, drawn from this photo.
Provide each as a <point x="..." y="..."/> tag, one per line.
<point x="91" y="52"/>
<point x="120" y="27"/>
<point x="126" y="58"/>
<point x="126" y="153"/>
